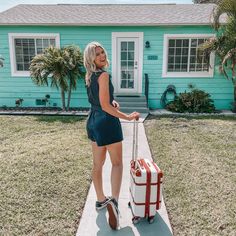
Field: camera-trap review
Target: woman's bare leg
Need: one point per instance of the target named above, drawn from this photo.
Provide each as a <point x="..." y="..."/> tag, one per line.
<point x="115" y="152"/>
<point x="99" y="156"/>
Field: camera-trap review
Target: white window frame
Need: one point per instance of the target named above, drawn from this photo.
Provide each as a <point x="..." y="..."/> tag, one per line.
<point x="13" y="36"/>
<point x="167" y="74"/>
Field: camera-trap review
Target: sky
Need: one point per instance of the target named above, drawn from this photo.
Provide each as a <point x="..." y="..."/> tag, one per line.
<point x="6" y="4"/>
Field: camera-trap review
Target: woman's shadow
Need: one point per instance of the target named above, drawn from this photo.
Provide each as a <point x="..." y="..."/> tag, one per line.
<point x="143" y="228"/>
<point x="105" y="230"/>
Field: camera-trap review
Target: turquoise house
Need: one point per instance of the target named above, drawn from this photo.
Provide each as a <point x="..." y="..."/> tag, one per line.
<point x="150" y="42"/>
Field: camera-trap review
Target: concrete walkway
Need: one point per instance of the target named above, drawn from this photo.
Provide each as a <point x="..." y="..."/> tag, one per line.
<point x="94" y="223"/>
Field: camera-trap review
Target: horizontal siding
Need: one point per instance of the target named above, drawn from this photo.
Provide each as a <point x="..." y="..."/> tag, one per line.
<point x="12" y="88"/>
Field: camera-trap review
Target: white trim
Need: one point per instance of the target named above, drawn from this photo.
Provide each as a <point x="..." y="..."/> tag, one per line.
<point x="115" y="36"/>
<point x="166" y="74"/>
<point x="12" y="36"/>
<point x="110" y="24"/>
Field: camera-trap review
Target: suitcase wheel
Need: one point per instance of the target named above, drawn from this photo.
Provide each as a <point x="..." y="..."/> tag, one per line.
<point x="129" y="204"/>
<point x="136" y="220"/>
<point x="150" y="219"/>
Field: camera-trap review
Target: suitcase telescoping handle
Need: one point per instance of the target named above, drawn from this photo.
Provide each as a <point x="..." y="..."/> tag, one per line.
<point x="135" y="143"/>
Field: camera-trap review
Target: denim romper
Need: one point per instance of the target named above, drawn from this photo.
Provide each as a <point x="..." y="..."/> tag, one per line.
<point x="102" y="128"/>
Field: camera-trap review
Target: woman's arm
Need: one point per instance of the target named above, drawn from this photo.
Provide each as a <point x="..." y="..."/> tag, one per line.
<point x="104" y="98"/>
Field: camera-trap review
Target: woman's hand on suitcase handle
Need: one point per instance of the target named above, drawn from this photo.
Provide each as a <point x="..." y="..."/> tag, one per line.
<point x="134" y="115"/>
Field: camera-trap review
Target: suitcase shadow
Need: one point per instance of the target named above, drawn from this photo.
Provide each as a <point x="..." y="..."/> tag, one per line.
<point x="157" y="228"/>
<point x="105" y="230"/>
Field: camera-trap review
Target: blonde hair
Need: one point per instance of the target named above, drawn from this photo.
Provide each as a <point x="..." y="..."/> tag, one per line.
<point x="89" y="58"/>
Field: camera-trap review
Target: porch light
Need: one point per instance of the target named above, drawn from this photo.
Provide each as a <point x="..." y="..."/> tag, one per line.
<point x="147" y="44"/>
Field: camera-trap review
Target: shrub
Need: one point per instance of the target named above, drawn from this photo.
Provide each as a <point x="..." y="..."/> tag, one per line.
<point x="196" y="101"/>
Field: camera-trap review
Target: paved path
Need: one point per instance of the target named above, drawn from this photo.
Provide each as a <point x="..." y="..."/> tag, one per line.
<point x="94" y="223"/>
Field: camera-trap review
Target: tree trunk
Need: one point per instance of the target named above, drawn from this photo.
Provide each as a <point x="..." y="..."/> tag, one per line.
<point x="63" y="100"/>
<point x="69" y="96"/>
<point x="234" y="102"/>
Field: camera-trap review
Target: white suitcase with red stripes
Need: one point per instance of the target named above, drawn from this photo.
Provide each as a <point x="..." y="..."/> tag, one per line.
<point x="145" y="185"/>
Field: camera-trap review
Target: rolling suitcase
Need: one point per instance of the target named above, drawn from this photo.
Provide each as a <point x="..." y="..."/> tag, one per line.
<point x="145" y="185"/>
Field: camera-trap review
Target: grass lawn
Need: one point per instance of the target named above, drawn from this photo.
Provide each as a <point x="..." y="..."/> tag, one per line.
<point x="45" y="166"/>
<point x="198" y="158"/>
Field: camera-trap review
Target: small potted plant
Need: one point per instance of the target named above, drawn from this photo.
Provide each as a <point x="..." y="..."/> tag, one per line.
<point x="19" y="102"/>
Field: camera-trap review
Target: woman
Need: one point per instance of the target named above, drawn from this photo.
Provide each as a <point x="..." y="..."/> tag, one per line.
<point x="104" y="128"/>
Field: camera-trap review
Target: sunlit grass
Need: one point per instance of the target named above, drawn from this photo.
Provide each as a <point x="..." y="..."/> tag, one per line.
<point x="198" y="158"/>
<point x="45" y="165"/>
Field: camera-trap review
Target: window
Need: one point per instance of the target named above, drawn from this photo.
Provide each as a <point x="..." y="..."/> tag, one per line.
<point x="181" y="59"/>
<point x="23" y="47"/>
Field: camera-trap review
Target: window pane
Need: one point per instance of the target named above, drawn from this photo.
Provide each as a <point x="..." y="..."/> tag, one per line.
<point x="200" y="41"/>
<point x="193" y="42"/>
<point x="45" y="43"/>
<point x="178" y="51"/>
<point x="186" y="43"/>
<point x="199" y="67"/>
<point x="39" y="50"/>
<point x="31" y="51"/>
<point x="184" y="67"/>
<point x="24" y="52"/>
<point x="192" y="59"/>
<point x="130" y="75"/>
<point x="177" y="67"/>
<point x="26" y="66"/>
<point x="193" y="51"/>
<point x="18" y="42"/>
<point x="123" y="74"/>
<point x="53" y="42"/>
<point x="123" y="63"/>
<point x="131" y="46"/>
<point x="26" y="58"/>
<point x="19" y="66"/>
<point x="179" y="43"/>
<point x="184" y="60"/>
<point x="171" y="51"/>
<point x="170" y="60"/>
<point x="130" y="55"/>
<point x="131" y="65"/>
<point x="18" y="49"/>
<point x="39" y="43"/>
<point x="192" y="67"/>
<point x="123" y="55"/>
<point x="123" y="83"/>
<point x="177" y="59"/>
<point x="123" y="46"/>
<point x="185" y="51"/>
<point x="19" y="58"/>
<point x="170" y="67"/>
<point x="171" y="43"/>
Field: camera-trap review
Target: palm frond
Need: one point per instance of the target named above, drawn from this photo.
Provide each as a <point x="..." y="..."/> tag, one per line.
<point x="230" y="56"/>
<point x="225" y="7"/>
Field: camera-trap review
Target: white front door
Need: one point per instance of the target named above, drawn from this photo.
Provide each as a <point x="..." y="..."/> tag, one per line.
<point x="127" y="67"/>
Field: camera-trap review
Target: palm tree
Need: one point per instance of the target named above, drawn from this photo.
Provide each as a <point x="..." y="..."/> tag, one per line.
<point x="62" y="66"/>
<point x="224" y="44"/>
<point x="74" y="63"/>
<point x="50" y="65"/>
<point x="1" y="61"/>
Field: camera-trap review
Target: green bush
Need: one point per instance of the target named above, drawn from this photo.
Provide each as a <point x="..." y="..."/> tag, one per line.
<point x="196" y="101"/>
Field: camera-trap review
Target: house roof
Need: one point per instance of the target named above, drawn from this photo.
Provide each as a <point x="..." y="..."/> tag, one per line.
<point x="108" y="14"/>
